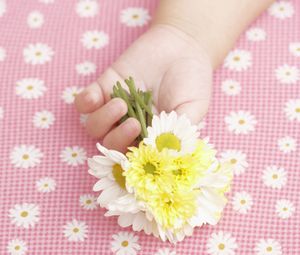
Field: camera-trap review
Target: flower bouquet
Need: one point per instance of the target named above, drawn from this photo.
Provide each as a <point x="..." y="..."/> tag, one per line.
<point x="170" y="182"/>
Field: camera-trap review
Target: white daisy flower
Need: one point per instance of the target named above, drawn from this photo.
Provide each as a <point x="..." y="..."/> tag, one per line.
<point x="73" y="156"/>
<point x="294" y="49"/>
<point x="37" y="54"/>
<point x="240" y="122"/>
<point x="165" y="251"/>
<point x="237" y="159"/>
<point x="30" y="88"/>
<point x="2" y="7"/>
<point x="274" y="177"/>
<point x="287" y="144"/>
<point x="1" y="113"/>
<point x="94" y="39"/>
<point x="242" y="202"/>
<point x="17" y="247"/>
<point x="88" y="202"/>
<point x="2" y="54"/>
<point x="286" y="74"/>
<point x="284" y="208"/>
<point x="281" y="9"/>
<point x="47" y="1"/>
<point x="70" y="93"/>
<point x="43" y="119"/>
<point x="76" y="231"/>
<point x="86" y="68"/>
<point x="238" y="60"/>
<point x="221" y="244"/>
<point x="256" y="34"/>
<point x="83" y="118"/>
<point x="24" y="215"/>
<point x="25" y="156"/>
<point x="292" y="109"/>
<point x="231" y="87"/>
<point x="108" y="169"/>
<point x="35" y="19"/>
<point x="45" y="185"/>
<point x="87" y="8"/>
<point x="135" y="17"/>
<point x="268" y="247"/>
<point x="125" y="243"/>
<point x="172" y="132"/>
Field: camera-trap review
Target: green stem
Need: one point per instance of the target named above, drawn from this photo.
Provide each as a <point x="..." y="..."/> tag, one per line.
<point x="142" y="120"/>
<point x="124" y="96"/>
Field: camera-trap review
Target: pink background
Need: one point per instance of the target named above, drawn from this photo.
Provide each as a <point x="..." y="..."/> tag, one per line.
<point x="261" y="94"/>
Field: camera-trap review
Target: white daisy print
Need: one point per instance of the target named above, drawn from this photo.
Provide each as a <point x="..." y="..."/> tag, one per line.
<point x="94" y="39"/>
<point x="1" y="113"/>
<point x="238" y="60"/>
<point x="43" y="119"/>
<point x="25" y="156"/>
<point x="88" y="202"/>
<point x="45" y="185"/>
<point x="287" y="144"/>
<point x="240" y="122"/>
<point x="24" y="215"/>
<point x="165" y="251"/>
<point x="286" y="74"/>
<point x="70" y="93"/>
<point x="281" y="10"/>
<point x="284" y="208"/>
<point x="2" y="54"/>
<point x="30" y="88"/>
<point x="83" y="118"/>
<point x="268" y="247"/>
<point x="125" y="243"/>
<point x="76" y="231"/>
<point x="17" y="247"/>
<point x="274" y="177"/>
<point x="231" y="87"/>
<point x="37" y="54"/>
<point x="86" y="68"/>
<point x="237" y="159"/>
<point x="73" y="156"/>
<point x="135" y="17"/>
<point x="47" y="1"/>
<point x="35" y="19"/>
<point x="87" y="8"/>
<point x="242" y="202"/>
<point x="2" y="8"/>
<point x="221" y="244"/>
<point x="256" y="34"/>
<point x="294" y="49"/>
<point x="292" y="109"/>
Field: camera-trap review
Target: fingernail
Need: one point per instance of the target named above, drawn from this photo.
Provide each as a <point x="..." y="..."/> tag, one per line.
<point x="117" y="106"/>
<point x="91" y="98"/>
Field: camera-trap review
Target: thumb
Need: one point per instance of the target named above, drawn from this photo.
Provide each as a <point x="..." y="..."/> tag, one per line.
<point x="186" y="88"/>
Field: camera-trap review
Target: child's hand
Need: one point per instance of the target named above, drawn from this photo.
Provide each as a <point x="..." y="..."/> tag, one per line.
<point x="164" y="60"/>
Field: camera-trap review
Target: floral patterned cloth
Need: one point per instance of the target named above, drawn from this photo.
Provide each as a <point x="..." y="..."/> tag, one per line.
<point x="50" y="49"/>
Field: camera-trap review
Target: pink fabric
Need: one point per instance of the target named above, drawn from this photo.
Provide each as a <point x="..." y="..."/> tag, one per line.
<point x="261" y="94"/>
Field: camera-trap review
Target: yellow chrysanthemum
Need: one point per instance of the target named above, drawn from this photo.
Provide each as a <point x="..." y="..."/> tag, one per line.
<point x="172" y="209"/>
<point x="149" y="171"/>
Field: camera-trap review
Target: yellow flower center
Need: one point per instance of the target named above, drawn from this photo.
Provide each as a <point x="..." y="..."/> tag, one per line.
<point x="150" y="168"/>
<point x="221" y="246"/>
<point x="24" y="214"/>
<point x="117" y="172"/>
<point x="269" y="249"/>
<point x="243" y="201"/>
<point x="74" y="155"/>
<point x="284" y="209"/>
<point x="233" y="161"/>
<point x="274" y="176"/>
<point x="45" y="185"/>
<point x="29" y="87"/>
<point x="17" y="247"/>
<point x="168" y="141"/>
<point x="297" y="110"/>
<point x="124" y="243"/>
<point x="241" y="122"/>
<point x="135" y="16"/>
<point x="236" y="58"/>
<point x="38" y="53"/>
<point x="44" y="119"/>
<point x="75" y="230"/>
<point x="25" y="156"/>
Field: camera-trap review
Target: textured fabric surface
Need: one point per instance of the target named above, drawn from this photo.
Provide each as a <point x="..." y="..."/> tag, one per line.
<point x="46" y="201"/>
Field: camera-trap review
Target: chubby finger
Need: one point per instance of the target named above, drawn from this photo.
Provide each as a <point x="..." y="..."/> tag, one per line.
<point x="123" y="135"/>
<point x="90" y="99"/>
<point x="101" y="121"/>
